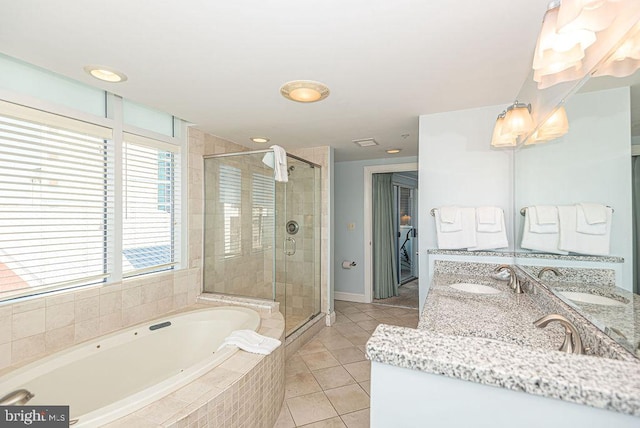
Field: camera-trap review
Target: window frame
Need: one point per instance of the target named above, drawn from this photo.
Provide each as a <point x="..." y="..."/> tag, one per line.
<point x="114" y="120"/>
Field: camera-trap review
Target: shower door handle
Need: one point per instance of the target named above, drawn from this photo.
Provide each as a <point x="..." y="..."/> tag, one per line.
<point x="289" y="250"/>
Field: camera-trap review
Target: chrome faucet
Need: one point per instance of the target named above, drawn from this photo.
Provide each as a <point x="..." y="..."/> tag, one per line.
<point x="550" y="269"/>
<point x="572" y="342"/>
<point x="19" y="397"/>
<point x="514" y="282"/>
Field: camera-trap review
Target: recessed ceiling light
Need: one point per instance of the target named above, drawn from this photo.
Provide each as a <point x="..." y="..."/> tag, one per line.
<point x="304" y="91"/>
<point x="105" y="74"/>
<point x="365" y="142"/>
<point x="393" y="151"/>
<point x="259" y="139"/>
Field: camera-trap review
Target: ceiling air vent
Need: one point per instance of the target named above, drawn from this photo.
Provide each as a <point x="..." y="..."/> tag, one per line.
<point x="366" y="142"/>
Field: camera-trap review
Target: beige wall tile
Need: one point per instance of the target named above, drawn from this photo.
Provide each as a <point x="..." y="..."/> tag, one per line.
<point x="86" y="330"/>
<point x="27" y="348"/>
<point x="5" y="355"/>
<point x="6" y="328"/>
<point x="86" y="309"/>
<point x="59" y="338"/>
<point x="60" y="315"/>
<point x="25" y="324"/>
<point x="110" y="303"/>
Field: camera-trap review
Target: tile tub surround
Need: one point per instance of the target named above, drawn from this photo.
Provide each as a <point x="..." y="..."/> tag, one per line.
<point x="34" y="327"/>
<point x="498" y="359"/>
<point x="245" y="390"/>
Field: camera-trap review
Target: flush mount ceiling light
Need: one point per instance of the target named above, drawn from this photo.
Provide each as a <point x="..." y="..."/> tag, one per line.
<point x="259" y="139"/>
<point x="365" y="142"/>
<point x="105" y="74"/>
<point x="304" y="91"/>
<point x="393" y="151"/>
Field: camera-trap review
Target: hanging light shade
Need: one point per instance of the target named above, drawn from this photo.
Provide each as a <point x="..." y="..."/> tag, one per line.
<point x="592" y="15"/>
<point x="625" y="60"/>
<point x="498" y="139"/>
<point x="554" y="127"/>
<point x="559" y="54"/>
<point x="518" y="120"/>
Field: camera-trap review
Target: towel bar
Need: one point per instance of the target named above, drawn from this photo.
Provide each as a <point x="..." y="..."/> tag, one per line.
<point x="433" y="212"/>
<point x="523" y="210"/>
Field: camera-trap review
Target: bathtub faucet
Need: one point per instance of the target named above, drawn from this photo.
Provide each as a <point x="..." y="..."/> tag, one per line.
<point x="19" y="397"/>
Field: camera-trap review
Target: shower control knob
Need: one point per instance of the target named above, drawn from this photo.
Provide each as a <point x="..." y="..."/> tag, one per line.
<point x="292" y="227"/>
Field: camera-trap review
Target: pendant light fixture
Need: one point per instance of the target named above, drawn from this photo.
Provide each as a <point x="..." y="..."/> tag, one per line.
<point x="592" y="15"/>
<point x="559" y="54"/>
<point x="625" y="60"/>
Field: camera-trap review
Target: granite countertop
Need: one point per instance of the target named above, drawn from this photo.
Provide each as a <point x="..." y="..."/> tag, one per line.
<point x="490" y="339"/>
<point x="620" y="321"/>
<point x="505" y="316"/>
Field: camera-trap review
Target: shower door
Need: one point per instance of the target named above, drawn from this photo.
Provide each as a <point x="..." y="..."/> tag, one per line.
<point x="297" y="234"/>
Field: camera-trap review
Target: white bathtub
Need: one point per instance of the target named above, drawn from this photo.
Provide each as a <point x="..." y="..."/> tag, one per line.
<point x="113" y="375"/>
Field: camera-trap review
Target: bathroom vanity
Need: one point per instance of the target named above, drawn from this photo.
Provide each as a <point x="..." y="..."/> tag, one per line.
<point x="476" y="359"/>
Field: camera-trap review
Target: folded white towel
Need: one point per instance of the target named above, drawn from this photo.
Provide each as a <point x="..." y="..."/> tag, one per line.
<point x="450" y="219"/>
<point x="547" y="241"/>
<point x="595" y="213"/>
<point x="582" y="243"/>
<point x="489" y="219"/>
<point x="487" y="215"/>
<point x="550" y="212"/>
<point x="250" y="341"/>
<point x="463" y="238"/>
<point x="583" y="226"/>
<point x="492" y="237"/>
<point x="546" y="214"/>
<point x="280" y="164"/>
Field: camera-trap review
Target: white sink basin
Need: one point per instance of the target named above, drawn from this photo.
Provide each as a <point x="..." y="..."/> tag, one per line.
<point x="594" y="299"/>
<point x="474" y="288"/>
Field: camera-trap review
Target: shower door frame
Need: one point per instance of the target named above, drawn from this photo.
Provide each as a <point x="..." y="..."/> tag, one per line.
<point x="317" y="213"/>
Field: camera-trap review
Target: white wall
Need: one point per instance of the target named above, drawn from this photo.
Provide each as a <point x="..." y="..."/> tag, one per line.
<point x="412" y="398"/>
<point x="592" y="163"/>
<point x="458" y="166"/>
<point x="349" y="208"/>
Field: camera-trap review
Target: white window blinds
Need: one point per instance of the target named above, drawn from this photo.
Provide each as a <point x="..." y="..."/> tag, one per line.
<point x="55" y="201"/>
<point x="151" y="217"/>
<point x="230" y="191"/>
<point x="263" y="211"/>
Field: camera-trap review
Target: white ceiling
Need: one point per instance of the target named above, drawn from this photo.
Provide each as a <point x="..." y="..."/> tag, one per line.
<point x="220" y="64"/>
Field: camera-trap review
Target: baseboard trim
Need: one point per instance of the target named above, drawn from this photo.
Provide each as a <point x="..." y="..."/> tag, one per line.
<point x="350" y="297"/>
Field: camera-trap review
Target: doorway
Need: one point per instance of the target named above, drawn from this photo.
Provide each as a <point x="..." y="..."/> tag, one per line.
<point x="403" y="238"/>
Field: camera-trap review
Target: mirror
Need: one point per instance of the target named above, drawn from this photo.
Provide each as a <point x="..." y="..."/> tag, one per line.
<point x="592" y="163"/>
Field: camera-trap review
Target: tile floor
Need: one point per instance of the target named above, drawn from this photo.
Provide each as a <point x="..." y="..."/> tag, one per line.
<point x="327" y="380"/>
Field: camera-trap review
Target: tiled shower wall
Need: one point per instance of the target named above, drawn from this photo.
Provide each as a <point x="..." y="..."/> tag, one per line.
<point x="321" y="156"/>
<point x="298" y="274"/>
<point x="247" y="270"/>
<point x="213" y="145"/>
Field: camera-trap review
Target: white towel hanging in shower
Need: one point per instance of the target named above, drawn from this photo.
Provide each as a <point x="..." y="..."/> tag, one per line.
<point x="280" y="164"/>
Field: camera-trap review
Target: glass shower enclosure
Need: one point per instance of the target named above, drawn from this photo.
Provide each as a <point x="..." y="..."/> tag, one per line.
<point x="261" y="236"/>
